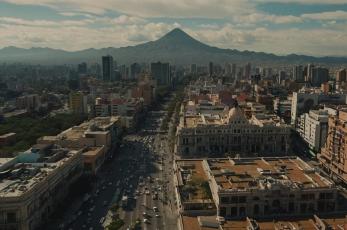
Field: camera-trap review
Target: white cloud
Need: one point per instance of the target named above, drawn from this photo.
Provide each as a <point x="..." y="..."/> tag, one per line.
<point x="43" y="23"/>
<point x="128" y="20"/>
<point x="260" y="17"/>
<point x="330" y="15"/>
<point x="150" y="8"/>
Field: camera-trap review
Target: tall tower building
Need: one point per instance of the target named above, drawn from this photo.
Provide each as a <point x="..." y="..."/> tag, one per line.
<point x="298" y="73"/>
<point x="309" y="72"/>
<point x="161" y="73"/>
<point x="233" y="70"/>
<point x="107" y="68"/>
<point x="341" y="75"/>
<point x="210" y="68"/>
<point x="247" y="73"/>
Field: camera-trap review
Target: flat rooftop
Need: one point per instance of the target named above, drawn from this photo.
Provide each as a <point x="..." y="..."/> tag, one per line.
<point x="234" y="174"/>
<point x="309" y="223"/>
<point x="264" y="173"/>
<point x="25" y="173"/>
<point x="191" y="174"/>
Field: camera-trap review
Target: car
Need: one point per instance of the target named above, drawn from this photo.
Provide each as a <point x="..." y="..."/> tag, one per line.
<point x="146" y="221"/>
<point x="157" y="215"/>
<point x="155" y="209"/>
<point x="102" y="220"/>
<point x="147" y="192"/>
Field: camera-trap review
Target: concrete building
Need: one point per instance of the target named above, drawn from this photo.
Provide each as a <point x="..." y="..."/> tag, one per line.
<point x="35" y="183"/>
<point x="78" y="102"/>
<point x="298" y="73"/>
<point x="341" y="75"/>
<point x="98" y="132"/>
<point x="229" y="131"/>
<point x="313" y="128"/>
<point x="267" y="187"/>
<point x="135" y="70"/>
<point x="319" y="75"/>
<point x="306" y="99"/>
<point x="93" y="158"/>
<point x="107" y="68"/>
<point x="30" y="102"/>
<point x="161" y="73"/>
<point x="312" y="222"/>
<point x="333" y="156"/>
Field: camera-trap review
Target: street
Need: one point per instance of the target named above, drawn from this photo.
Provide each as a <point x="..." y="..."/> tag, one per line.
<point x="138" y="179"/>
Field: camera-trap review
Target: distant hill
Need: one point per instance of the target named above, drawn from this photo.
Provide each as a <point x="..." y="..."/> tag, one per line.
<point x="176" y="47"/>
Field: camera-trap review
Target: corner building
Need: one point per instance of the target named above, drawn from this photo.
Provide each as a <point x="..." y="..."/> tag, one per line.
<point x="206" y="135"/>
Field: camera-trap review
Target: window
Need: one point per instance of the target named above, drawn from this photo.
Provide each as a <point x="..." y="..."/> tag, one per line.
<point x="256" y="209"/>
<point x="222" y="211"/>
<point x="11" y="217"/>
<point x="224" y="199"/>
<point x="242" y="199"/>
<point x="242" y="211"/>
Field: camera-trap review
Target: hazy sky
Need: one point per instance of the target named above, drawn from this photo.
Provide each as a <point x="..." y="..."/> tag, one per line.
<point x="314" y="27"/>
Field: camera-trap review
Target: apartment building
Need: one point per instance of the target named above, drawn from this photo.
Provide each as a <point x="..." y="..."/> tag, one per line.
<point x="258" y="187"/>
<point x="34" y="183"/>
<point x="313" y="128"/>
<point x="307" y="98"/>
<point x="333" y="155"/>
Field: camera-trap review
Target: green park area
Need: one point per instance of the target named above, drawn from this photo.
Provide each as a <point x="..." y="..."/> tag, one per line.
<point x="28" y="129"/>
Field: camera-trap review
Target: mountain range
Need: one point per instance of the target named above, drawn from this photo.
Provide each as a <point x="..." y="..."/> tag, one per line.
<point x="176" y="47"/>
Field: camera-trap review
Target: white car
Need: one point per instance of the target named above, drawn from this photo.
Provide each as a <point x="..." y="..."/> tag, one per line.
<point x="145" y="221"/>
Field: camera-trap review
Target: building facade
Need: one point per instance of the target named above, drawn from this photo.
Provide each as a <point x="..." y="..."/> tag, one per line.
<point x="333" y="156"/>
<point x="258" y="187"/>
<point x="233" y="133"/>
<point x="30" y="190"/>
<point x="313" y="128"/>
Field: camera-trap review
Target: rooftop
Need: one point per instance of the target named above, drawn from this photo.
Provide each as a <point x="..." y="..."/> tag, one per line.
<point x="309" y="223"/>
<point x="258" y="173"/>
<point x="30" y="168"/>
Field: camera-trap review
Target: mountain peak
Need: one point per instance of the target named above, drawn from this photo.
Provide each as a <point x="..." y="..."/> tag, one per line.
<point x="177" y="38"/>
<point x="177" y="32"/>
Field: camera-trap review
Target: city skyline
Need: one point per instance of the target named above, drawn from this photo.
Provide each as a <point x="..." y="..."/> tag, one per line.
<point x="281" y="27"/>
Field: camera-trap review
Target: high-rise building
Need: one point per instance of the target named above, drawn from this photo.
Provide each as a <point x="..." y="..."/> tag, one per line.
<point x="78" y="102"/>
<point x="281" y="76"/>
<point x="313" y="128"/>
<point x="309" y="72"/>
<point x="135" y="70"/>
<point x="333" y="156"/>
<point x="227" y="69"/>
<point x="161" y="73"/>
<point x="82" y="68"/>
<point x="193" y="69"/>
<point x="298" y="73"/>
<point x="319" y="75"/>
<point x="107" y="68"/>
<point x="341" y="75"/>
<point x="210" y="68"/>
<point x="233" y="70"/>
<point x="247" y="73"/>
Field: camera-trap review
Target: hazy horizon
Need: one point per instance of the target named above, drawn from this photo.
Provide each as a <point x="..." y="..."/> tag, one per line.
<point x="304" y="27"/>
